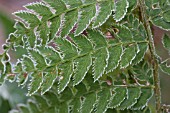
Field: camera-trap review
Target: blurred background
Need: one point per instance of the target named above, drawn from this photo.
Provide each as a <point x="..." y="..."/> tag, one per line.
<point x="11" y="95"/>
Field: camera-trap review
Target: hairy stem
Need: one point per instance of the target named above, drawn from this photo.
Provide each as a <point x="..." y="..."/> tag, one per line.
<point x="153" y="55"/>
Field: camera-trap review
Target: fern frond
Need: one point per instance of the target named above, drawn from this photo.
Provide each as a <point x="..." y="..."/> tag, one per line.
<point x="49" y="79"/>
<point x="40" y="62"/>
<point x="146" y="94"/>
<point x="88" y="104"/>
<point x="105" y="10"/>
<point x="82" y="67"/>
<point x="57" y="5"/>
<point x="120" y="9"/>
<point x="60" y="17"/>
<point x="51" y="54"/>
<point x="66" y="73"/>
<point x="131" y="99"/>
<point x="114" y="59"/>
<point x="85" y="56"/>
<point x="40" y="9"/>
<point x="103" y="100"/>
<point x="28" y="17"/>
<point x="67" y="49"/>
<point x="159" y="15"/>
<point x="119" y="97"/>
<point x="36" y="82"/>
<point x="142" y="74"/>
<point x="85" y="100"/>
<point x="75" y="56"/>
<point x="27" y="64"/>
<point x="70" y="19"/>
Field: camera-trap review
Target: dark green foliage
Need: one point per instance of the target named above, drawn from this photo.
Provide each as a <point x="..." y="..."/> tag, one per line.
<point x="87" y="100"/>
<point x="85" y="56"/>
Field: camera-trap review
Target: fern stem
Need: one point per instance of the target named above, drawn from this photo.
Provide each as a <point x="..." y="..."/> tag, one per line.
<point x="153" y="55"/>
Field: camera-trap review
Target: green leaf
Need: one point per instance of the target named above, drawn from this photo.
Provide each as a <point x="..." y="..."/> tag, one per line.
<point x="48" y="80"/>
<point x="129" y="54"/>
<point x="42" y="103"/>
<point x="166" y="42"/>
<point x="20" y="28"/>
<point x="22" y="79"/>
<point x="111" y="111"/>
<point x="133" y="95"/>
<point x="81" y="90"/>
<point x="65" y="106"/>
<point x="103" y="101"/>
<point x="70" y="20"/>
<point x="88" y="103"/>
<point x="166" y="16"/>
<point x="85" y="19"/>
<point x="52" y="110"/>
<point x="97" y="39"/>
<point x="89" y="1"/>
<point x="76" y="105"/>
<point x="51" y="54"/>
<point x="41" y="9"/>
<point x="132" y="4"/>
<point x="82" y="66"/>
<point x="17" y="67"/>
<point x="105" y="10"/>
<point x="161" y="23"/>
<point x="141" y="35"/>
<point x="36" y="82"/>
<point x="66" y="73"/>
<point x="66" y="95"/>
<point x="2" y="67"/>
<point x="100" y="63"/>
<point x="51" y="98"/>
<point x="115" y="53"/>
<point x="33" y="107"/>
<point x="21" y="76"/>
<point x="67" y="49"/>
<point x="58" y="5"/>
<point x="146" y="94"/>
<point x="163" y="3"/>
<point x="54" y="28"/>
<point x="44" y="33"/>
<point x="28" y="18"/>
<point x="142" y="71"/>
<point x="84" y="44"/>
<point x="73" y="3"/>
<point x="8" y="68"/>
<point x="31" y="38"/>
<point x="38" y="58"/>
<point x="120" y="9"/>
<point x="143" y="47"/>
<point x="23" y="108"/>
<point x="124" y="33"/>
<point x="164" y="67"/>
<point x="28" y="64"/>
<point x="11" y="38"/>
<point x="90" y="84"/>
<point x="119" y="96"/>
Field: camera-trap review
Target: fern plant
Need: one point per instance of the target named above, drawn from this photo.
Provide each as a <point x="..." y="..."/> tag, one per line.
<point x="84" y="56"/>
